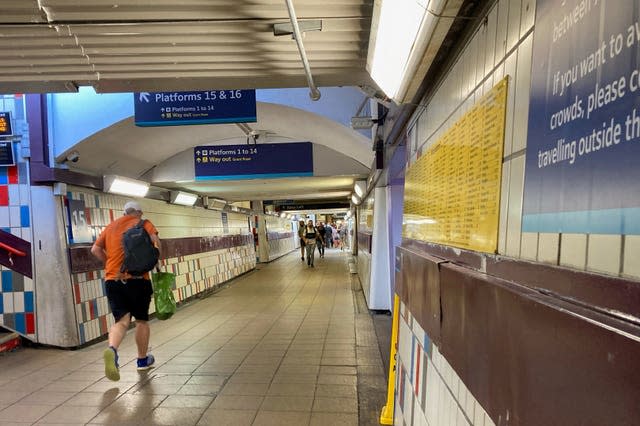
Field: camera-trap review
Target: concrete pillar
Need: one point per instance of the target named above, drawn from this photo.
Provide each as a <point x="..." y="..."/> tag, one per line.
<point x="260" y="233"/>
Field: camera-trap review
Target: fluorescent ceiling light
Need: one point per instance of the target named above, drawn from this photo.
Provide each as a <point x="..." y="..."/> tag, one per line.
<point x="183" y="198"/>
<point x="125" y="186"/>
<point x="355" y="200"/>
<point x="392" y="45"/>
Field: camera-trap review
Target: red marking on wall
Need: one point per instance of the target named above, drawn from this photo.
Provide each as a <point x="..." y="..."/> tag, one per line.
<point x="12" y="174"/>
<point x="31" y="323"/>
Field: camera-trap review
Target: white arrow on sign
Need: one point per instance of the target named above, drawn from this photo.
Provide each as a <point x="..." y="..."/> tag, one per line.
<point x="144" y="96"/>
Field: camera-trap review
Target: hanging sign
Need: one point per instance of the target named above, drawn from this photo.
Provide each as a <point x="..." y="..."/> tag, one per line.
<point x="186" y="108"/>
<point x="269" y="160"/>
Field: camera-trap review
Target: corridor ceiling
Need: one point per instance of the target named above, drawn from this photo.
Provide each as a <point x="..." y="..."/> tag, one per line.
<point x="165" y="45"/>
<point x="53" y="46"/>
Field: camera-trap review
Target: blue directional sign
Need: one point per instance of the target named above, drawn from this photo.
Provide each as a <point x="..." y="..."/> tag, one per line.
<point x="185" y="108"/>
<point x="269" y="160"/>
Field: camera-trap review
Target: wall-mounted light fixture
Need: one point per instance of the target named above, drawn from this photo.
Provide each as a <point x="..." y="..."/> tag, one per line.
<point x="125" y="186"/>
<point x="213" y="203"/>
<point x="355" y="199"/>
<point x="183" y="198"/>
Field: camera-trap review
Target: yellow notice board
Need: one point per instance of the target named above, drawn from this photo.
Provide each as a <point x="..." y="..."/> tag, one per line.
<point x="452" y="192"/>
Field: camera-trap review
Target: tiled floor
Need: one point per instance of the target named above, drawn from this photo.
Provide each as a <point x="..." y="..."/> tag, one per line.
<point x="283" y="345"/>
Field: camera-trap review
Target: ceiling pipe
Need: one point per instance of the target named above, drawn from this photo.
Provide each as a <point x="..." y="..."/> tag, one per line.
<point x="314" y="93"/>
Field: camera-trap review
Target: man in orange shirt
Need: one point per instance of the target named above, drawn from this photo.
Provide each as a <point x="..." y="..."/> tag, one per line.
<point x="128" y="296"/>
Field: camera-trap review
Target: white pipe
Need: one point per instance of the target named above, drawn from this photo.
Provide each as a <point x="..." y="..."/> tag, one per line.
<point x="314" y="94"/>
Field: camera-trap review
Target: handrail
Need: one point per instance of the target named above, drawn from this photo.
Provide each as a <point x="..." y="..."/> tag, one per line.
<point x="12" y="250"/>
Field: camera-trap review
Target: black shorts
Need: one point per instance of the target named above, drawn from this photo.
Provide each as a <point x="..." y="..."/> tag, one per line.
<point x="130" y="297"/>
<point x="302" y="243"/>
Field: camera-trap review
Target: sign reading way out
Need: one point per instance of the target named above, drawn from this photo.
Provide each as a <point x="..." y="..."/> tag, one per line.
<point x="269" y="160"/>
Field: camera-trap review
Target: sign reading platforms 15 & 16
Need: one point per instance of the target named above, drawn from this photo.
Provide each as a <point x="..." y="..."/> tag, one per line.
<point x="184" y="108"/>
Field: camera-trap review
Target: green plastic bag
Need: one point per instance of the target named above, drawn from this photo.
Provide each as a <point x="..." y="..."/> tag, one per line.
<point x="163" y="283"/>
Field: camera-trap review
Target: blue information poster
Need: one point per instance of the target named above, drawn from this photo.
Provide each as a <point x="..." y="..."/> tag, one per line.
<point x="582" y="173"/>
<point x="268" y="160"/>
<point x="185" y="108"/>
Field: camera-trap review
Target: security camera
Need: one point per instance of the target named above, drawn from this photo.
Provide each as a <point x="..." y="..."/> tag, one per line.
<point x="73" y="156"/>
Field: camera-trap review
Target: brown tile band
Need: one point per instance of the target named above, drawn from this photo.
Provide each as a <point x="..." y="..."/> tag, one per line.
<point x="82" y="260"/>
<point x="279" y="235"/>
<point x="528" y="356"/>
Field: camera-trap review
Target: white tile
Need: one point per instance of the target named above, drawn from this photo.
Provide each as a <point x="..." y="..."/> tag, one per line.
<point x="504" y="206"/>
<point x="28" y="284"/>
<point x="514" y="215"/>
<point x="14" y="216"/>
<point x="573" y="250"/>
<point x="510" y="69"/>
<point x="529" y="246"/>
<point x="26" y="234"/>
<point x="604" y="253"/>
<point x="18" y="301"/>
<point x="528" y="16"/>
<point x="461" y="421"/>
<point x="513" y="26"/>
<point x="14" y="195"/>
<point x="470" y="405"/>
<point x="4" y="217"/>
<point x="522" y="83"/>
<point x="488" y="421"/>
<point x="481" y="40"/>
<point x="548" y="245"/>
<point x="7" y="300"/>
<point x="501" y="29"/>
<point x="490" y="51"/>
<point x="479" y="414"/>
<point x="631" y="265"/>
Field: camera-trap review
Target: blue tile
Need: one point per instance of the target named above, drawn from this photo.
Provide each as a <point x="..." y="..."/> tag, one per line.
<point x="3" y="176"/>
<point x="81" y="330"/>
<point x="97" y="201"/>
<point x="25" y="220"/>
<point x="28" y="301"/>
<point x="7" y="230"/>
<point x="21" y="324"/>
<point x="7" y="281"/>
<point x="1" y="304"/>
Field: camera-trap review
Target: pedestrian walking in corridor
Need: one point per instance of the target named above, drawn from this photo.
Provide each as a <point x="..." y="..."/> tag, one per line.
<point x="310" y="236"/>
<point x="127" y="285"/>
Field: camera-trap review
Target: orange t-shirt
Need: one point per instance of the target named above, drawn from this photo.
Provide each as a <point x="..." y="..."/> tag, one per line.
<point x="111" y="241"/>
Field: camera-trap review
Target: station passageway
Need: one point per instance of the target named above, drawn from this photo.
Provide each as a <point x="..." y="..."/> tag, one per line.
<point x="281" y="345"/>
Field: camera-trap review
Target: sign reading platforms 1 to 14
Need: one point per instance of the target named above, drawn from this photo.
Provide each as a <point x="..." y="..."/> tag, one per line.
<point x="268" y="160"/>
<point x="184" y="108"/>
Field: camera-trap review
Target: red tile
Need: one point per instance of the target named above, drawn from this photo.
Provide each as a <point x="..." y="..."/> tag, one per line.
<point x="87" y="216"/>
<point x="111" y="215"/>
<point x="12" y="172"/>
<point x="76" y="293"/>
<point x="31" y="323"/>
<point x="92" y="311"/>
<point x="4" y="195"/>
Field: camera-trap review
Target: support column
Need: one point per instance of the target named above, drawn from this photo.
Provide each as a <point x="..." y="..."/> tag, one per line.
<point x="260" y="233"/>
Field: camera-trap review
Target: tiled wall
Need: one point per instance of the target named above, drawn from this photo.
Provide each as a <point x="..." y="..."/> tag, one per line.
<point x="17" y="297"/>
<point x="280" y="236"/>
<point x="195" y="273"/>
<point x="428" y="390"/>
<point x="501" y="47"/>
